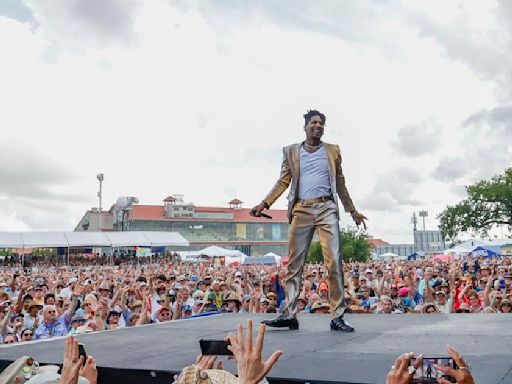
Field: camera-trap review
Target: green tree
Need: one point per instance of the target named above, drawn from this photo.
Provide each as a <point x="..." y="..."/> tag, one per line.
<point x="489" y="203"/>
<point x="354" y="247"/>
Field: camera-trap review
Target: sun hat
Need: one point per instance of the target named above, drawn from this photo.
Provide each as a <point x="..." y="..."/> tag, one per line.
<point x="196" y="375"/>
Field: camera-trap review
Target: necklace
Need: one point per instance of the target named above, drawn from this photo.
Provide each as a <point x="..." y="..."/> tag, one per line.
<point x="311" y="148"/>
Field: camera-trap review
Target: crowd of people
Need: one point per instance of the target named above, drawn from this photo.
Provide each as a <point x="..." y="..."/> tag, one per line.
<point x="48" y="300"/>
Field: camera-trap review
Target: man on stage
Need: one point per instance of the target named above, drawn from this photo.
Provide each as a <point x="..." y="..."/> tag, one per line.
<point x="313" y="168"/>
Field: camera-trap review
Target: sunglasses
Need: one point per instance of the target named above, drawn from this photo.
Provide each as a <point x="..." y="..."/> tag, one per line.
<point x="51" y="311"/>
<point x="27" y="334"/>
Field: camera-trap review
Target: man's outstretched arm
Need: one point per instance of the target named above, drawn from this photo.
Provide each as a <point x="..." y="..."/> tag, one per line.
<point x="358" y="218"/>
<point x="279" y="187"/>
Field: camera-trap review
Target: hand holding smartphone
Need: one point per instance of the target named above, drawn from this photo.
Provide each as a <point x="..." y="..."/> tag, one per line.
<point x="427" y="372"/>
<point x="82" y="352"/>
<point x="215" y="347"/>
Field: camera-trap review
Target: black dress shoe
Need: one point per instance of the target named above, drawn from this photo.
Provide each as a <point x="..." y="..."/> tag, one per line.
<point x="283" y="322"/>
<point x="338" y="324"/>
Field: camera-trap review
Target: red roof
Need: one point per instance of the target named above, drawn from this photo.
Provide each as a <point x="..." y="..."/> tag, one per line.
<point x="235" y="201"/>
<point x="375" y="242"/>
<point x="169" y="199"/>
<point x="156" y="212"/>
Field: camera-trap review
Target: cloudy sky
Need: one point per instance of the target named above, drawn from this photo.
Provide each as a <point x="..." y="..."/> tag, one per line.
<point x="199" y="97"/>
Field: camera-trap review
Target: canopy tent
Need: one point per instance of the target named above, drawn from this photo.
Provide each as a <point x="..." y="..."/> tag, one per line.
<point x="387" y="255"/>
<point x="11" y="240"/>
<point x="260" y="260"/>
<point x="272" y="254"/>
<point x="415" y="255"/>
<point x="458" y="250"/>
<point x="44" y="240"/>
<point x="25" y="240"/>
<point x="215" y="251"/>
<point x="487" y="251"/>
<point x="87" y="239"/>
<point x="128" y="239"/>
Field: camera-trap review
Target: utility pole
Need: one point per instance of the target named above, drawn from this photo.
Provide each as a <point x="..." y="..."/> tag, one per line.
<point x="100" y="178"/>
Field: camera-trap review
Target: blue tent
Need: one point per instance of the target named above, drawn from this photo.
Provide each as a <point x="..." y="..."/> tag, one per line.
<point x="487" y="251"/>
<point x="415" y="255"/>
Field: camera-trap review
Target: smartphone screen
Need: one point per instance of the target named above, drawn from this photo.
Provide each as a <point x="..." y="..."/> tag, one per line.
<point x="214" y="347"/>
<point x="82" y="351"/>
<point x="427" y="372"/>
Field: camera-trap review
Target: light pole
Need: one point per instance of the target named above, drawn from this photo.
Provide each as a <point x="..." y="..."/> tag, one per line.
<point x="100" y="178"/>
<point x="423" y="214"/>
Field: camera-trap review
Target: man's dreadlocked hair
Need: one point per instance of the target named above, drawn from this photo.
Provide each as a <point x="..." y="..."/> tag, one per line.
<point x="313" y="112"/>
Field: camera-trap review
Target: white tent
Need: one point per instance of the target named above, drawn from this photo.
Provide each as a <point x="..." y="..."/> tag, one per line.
<point x="11" y="240"/>
<point x="127" y="239"/>
<point x="44" y="240"/>
<point x="390" y="255"/>
<point x="90" y="239"/>
<point x="458" y="250"/>
<point x="215" y="251"/>
<point x="87" y="239"/>
<point x="275" y="256"/>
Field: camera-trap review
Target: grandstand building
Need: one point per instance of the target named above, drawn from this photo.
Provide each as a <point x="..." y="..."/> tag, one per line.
<point x="230" y="227"/>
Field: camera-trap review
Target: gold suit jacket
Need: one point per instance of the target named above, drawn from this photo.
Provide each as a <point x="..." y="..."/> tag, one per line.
<point x="290" y="171"/>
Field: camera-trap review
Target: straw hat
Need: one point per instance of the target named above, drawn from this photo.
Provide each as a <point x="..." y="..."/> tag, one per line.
<point x="196" y="375"/>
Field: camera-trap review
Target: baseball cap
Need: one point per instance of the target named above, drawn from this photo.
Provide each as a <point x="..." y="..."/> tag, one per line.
<point x="368" y="271"/>
<point x="72" y="280"/>
<point x="238" y="273"/>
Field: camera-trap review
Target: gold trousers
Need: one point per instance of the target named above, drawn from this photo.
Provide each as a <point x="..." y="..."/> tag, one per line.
<point x="305" y="219"/>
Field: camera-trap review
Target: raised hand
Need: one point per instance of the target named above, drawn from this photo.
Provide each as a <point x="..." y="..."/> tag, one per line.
<point x="251" y="368"/>
<point x="399" y="373"/>
<point x="72" y="362"/>
<point x="89" y="370"/>
<point x="207" y="362"/>
<point x="462" y="374"/>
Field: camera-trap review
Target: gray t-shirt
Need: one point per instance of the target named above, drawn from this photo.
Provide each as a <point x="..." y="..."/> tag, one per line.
<point x="314" y="179"/>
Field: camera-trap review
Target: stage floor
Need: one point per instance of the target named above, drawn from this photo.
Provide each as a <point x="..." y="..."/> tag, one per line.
<point x="313" y="353"/>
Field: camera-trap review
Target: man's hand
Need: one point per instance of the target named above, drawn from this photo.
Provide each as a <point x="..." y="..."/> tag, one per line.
<point x="72" y="362"/>
<point x="256" y="211"/>
<point x="359" y="218"/>
<point x="399" y="373"/>
<point x="89" y="370"/>
<point x="462" y="375"/>
<point x="251" y="368"/>
<point x="207" y="362"/>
